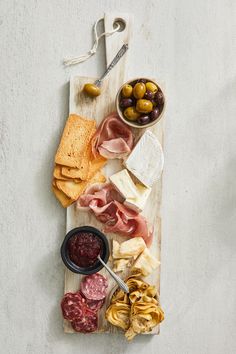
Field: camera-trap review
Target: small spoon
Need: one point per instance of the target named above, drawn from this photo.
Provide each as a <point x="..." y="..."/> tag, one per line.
<point x="119" y="281"/>
<point x="93" y="90"/>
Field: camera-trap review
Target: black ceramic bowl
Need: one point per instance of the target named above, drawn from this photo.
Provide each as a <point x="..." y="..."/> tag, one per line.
<point x="95" y="267"/>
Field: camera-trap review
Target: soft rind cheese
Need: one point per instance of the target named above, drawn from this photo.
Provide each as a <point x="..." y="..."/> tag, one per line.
<point x="135" y="194"/>
<point x="139" y="202"/>
<point x="124" y="184"/>
<point x="146" y="160"/>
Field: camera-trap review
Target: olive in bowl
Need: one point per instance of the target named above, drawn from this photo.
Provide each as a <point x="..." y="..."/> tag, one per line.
<point x="140" y="102"/>
<point x="81" y="247"/>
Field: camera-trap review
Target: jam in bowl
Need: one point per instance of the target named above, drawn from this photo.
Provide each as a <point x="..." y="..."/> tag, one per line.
<point x="81" y="247"/>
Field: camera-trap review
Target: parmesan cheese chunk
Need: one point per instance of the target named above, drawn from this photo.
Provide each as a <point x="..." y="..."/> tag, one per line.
<point x="128" y="249"/>
<point x="120" y="265"/>
<point x="146" y="263"/>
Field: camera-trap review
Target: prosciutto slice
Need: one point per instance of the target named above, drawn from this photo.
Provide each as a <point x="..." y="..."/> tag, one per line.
<point x="108" y="207"/>
<point x="113" y="138"/>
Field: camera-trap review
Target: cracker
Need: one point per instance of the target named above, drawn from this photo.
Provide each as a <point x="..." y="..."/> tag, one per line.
<point x="96" y="165"/>
<point x="57" y="173"/>
<point x="71" y="189"/>
<point x="97" y="178"/>
<point x="74" y="190"/>
<point x="63" y="199"/>
<point x="81" y="172"/>
<point x="87" y="172"/>
<point x="75" y="139"/>
<point x="54" y="182"/>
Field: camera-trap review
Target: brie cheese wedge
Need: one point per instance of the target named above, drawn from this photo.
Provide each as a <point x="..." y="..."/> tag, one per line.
<point x="146" y="159"/>
<point x="139" y="202"/>
<point x="124" y="184"/>
<point x="135" y="194"/>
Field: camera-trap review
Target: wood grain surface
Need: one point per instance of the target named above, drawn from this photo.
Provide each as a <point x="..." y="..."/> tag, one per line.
<point x="97" y="109"/>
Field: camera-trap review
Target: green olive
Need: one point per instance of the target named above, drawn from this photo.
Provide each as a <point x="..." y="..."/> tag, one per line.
<point x="139" y="90"/>
<point x="92" y="90"/>
<point x="144" y="106"/>
<point x="151" y="86"/>
<point x="131" y="114"/>
<point x="127" y="91"/>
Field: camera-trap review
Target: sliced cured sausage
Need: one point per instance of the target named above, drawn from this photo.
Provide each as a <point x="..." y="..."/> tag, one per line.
<point x="86" y="324"/>
<point x="93" y="305"/>
<point x="72" y="306"/>
<point x="94" y="286"/>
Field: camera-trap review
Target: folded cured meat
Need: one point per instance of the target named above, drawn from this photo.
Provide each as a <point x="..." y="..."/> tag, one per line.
<point x="113" y="138"/>
<point x="107" y="205"/>
<point x="100" y="194"/>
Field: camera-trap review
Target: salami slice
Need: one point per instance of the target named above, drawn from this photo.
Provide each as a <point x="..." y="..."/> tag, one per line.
<point x="94" y="286"/>
<point x="72" y="306"/>
<point x="95" y="305"/>
<point x="86" y="324"/>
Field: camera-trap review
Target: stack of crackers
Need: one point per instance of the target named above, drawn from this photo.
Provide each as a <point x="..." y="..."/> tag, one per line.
<point x="75" y="167"/>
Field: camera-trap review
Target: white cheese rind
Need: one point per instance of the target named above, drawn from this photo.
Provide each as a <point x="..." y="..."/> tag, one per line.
<point x="135" y="195"/>
<point x="146" y="160"/>
<point x="124" y="184"/>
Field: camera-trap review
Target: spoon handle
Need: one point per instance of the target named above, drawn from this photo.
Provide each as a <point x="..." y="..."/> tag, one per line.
<point x="119" y="281"/>
<point x="118" y="56"/>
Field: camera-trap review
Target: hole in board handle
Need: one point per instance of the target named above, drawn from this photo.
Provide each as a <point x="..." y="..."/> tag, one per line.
<point x="121" y="23"/>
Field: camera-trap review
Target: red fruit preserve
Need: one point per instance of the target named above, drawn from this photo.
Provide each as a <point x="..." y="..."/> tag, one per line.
<point x="83" y="249"/>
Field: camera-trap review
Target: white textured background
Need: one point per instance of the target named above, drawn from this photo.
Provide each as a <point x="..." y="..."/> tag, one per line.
<point x="191" y="46"/>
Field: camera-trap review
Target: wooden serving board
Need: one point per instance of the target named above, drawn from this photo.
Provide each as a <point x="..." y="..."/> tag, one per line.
<point x="97" y="109"/>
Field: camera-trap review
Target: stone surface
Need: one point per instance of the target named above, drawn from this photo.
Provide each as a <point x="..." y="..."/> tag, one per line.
<point x="189" y="46"/>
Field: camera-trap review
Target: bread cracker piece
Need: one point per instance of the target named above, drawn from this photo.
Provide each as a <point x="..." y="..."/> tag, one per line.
<point x="83" y="171"/>
<point x="87" y="172"/>
<point x="54" y="182"/>
<point x="63" y="199"/>
<point x="75" y="139"/>
<point x="57" y="173"/>
<point x="77" y="180"/>
<point x="96" y="165"/>
<point x="71" y="189"/>
<point x="74" y="190"/>
<point x="97" y="178"/>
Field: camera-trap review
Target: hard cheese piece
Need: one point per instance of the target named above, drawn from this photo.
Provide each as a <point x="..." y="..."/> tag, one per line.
<point x="128" y="249"/>
<point x="124" y="184"/>
<point x="139" y="202"/>
<point x="120" y="265"/>
<point x="146" y="263"/>
<point x="146" y="160"/>
<point x="115" y="249"/>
